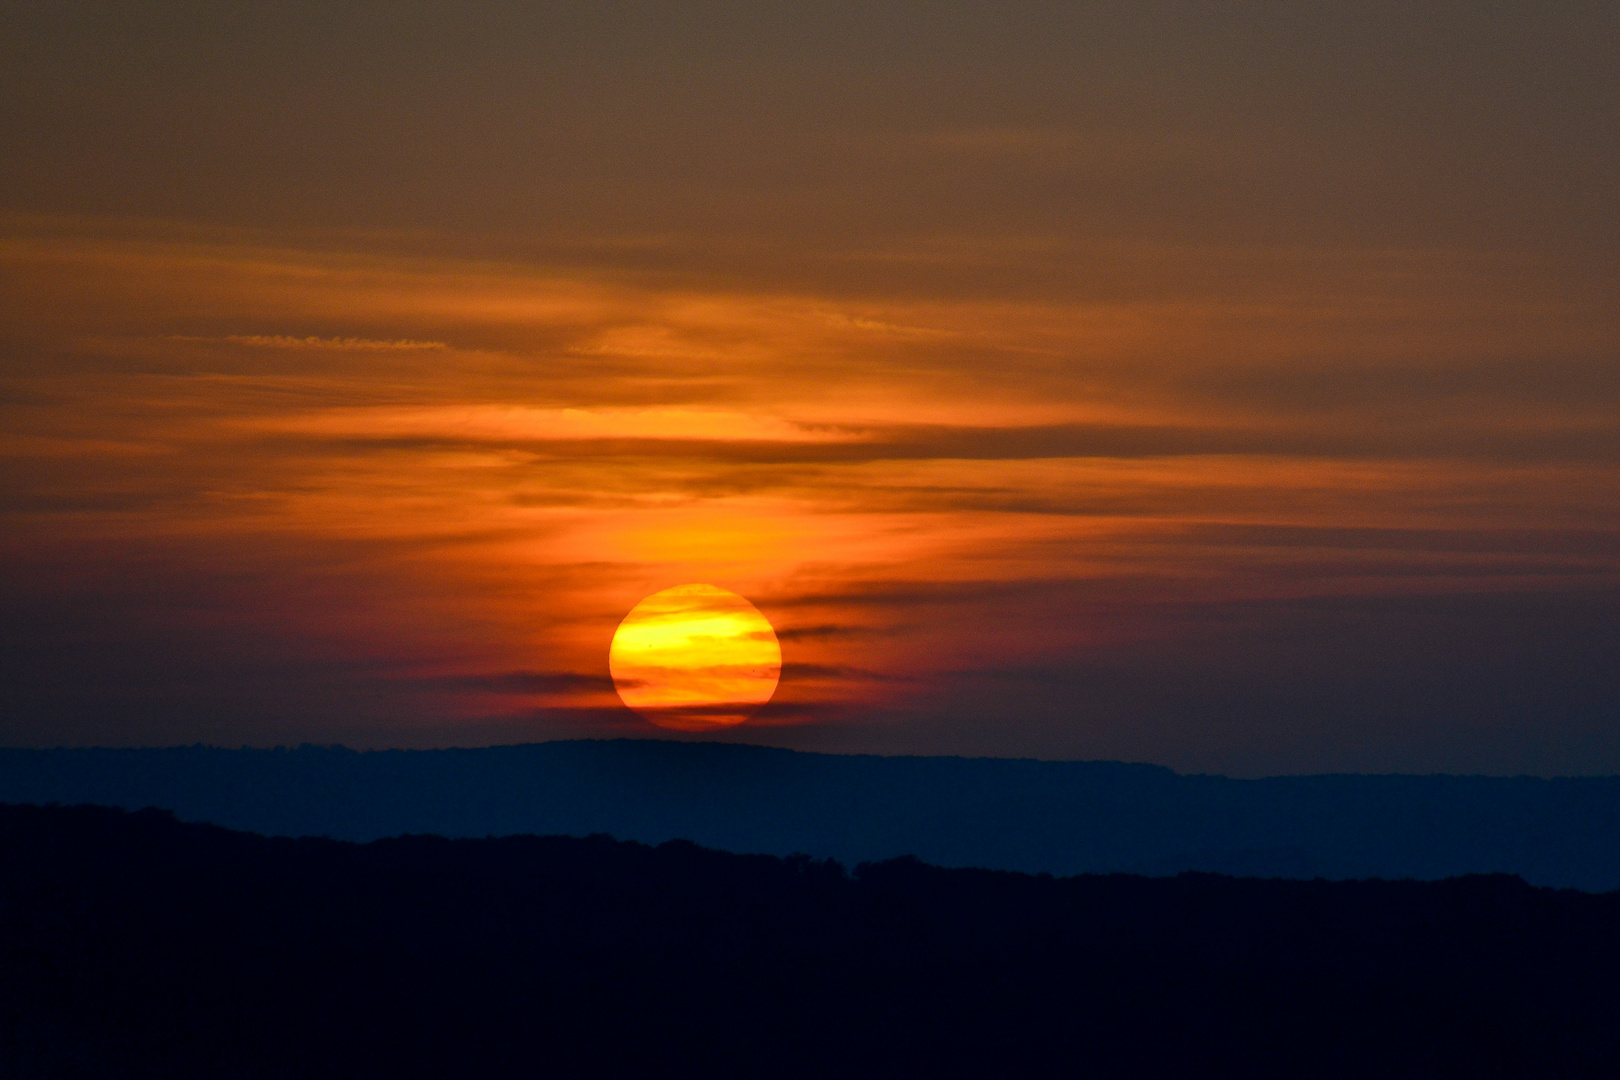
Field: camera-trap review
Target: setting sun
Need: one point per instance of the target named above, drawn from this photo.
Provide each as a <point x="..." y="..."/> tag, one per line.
<point x="694" y="658"/>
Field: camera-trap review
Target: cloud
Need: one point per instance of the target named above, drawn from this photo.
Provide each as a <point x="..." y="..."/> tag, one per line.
<point x="993" y="515"/>
<point x="335" y="344"/>
<point x="901" y="594"/>
<point x="821" y="632"/>
<point x="756" y="442"/>
<point x="836" y="672"/>
<point x="516" y="682"/>
<point x="524" y="426"/>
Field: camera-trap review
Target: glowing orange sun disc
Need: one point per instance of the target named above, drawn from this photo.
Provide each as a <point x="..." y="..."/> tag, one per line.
<point x="695" y="658"/>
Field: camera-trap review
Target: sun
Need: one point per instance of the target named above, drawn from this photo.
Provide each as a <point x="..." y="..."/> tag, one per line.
<point x="695" y="658"/>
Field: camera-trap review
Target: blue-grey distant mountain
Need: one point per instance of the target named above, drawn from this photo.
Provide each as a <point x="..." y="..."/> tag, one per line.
<point x="1057" y="817"/>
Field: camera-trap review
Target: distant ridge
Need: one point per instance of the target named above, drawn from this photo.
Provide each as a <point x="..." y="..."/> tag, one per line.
<point x="1035" y="816"/>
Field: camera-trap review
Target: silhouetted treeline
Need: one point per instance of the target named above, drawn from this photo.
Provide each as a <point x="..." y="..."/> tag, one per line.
<point x="1061" y="817"/>
<point x="135" y="945"/>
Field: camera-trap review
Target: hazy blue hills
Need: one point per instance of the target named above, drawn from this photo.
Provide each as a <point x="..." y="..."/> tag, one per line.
<point x="1056" y="817"/>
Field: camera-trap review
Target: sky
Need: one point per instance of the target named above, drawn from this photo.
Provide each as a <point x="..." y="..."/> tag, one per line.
<point x="1232" y="386"/>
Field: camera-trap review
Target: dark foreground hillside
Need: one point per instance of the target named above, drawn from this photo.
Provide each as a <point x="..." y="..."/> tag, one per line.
<point x="136" y="945"/>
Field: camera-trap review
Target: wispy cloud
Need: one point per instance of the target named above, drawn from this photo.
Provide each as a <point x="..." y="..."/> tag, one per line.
<point x="519" y="425"/>
<point x="911" y="489"/>
<point x="515" y="682"/>
<point x="331" y="344"/>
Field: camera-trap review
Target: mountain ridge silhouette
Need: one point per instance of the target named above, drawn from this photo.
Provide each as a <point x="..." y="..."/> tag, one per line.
<point x="996" y="813"/>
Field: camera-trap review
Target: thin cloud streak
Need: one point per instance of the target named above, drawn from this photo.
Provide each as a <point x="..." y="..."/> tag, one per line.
<point x="344" y="344"/>
<point x="921" y="494"/>
<point x="936" y="442"/>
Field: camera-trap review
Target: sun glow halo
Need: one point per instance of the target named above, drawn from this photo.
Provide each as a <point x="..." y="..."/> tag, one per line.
<point x="695" y="658"/>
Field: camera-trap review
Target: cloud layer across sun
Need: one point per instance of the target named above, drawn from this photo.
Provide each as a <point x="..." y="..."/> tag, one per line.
<point x="1235" y="387"/>
<point x="999" y="515"/>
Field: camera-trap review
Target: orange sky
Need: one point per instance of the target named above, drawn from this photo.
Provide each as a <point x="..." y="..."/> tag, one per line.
<point x="1152" y="410"/>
